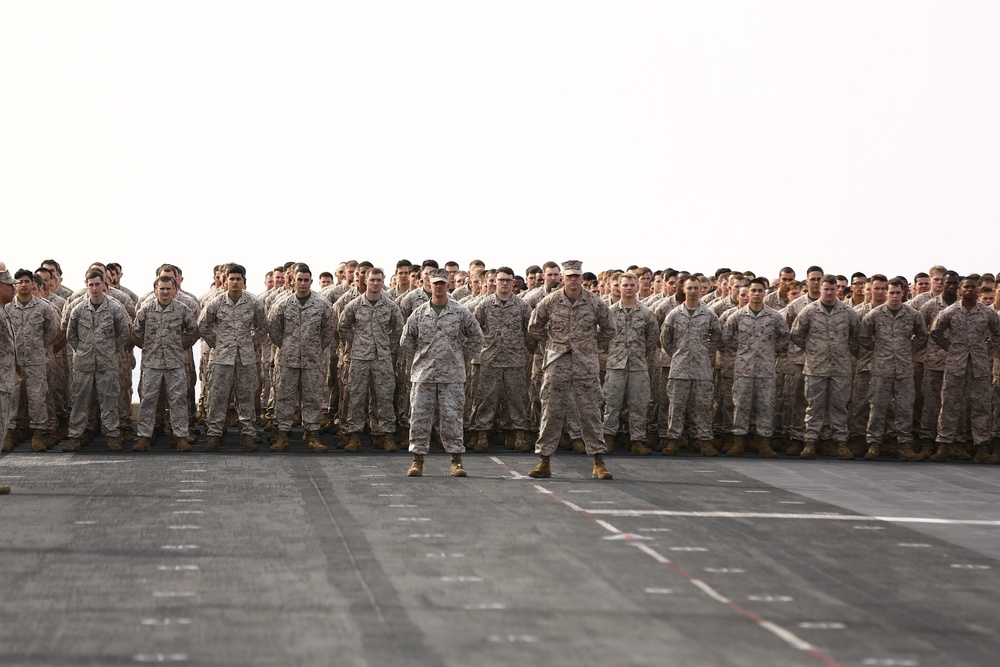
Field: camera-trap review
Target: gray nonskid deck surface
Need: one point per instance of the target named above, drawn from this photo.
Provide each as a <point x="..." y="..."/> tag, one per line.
<point x="339" y="559"/>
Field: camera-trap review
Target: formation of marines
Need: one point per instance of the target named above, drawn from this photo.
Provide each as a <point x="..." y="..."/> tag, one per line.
<point x="649" y="361"/>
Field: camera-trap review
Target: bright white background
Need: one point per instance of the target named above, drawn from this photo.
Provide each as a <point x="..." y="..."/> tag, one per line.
<point x="859" y="135"/>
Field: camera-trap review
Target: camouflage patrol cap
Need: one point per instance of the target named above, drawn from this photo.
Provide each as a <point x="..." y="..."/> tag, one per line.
<point x="572" y="267"/>
<point x="6" y="279"/>
<point x="439" y="276"/>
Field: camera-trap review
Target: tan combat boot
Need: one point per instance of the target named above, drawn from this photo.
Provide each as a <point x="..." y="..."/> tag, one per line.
<point x="481" y="442"/>
<point x="957" y="452"/>
<point x="639" y="448"/>
<point x="387" y="444"/>
<point x="183" y="445"/>
<point x="808" y="451"/>
<point x="508" y="440"/>
<point x="456" y="466"/>
<point x="8" y="442"/>
<point x="600" y="470"/>
<point x="983" y="455"/>
<point x="707" y="449"/>
<point x="794" y="448"/>
<point x="579" y="447"/>
<point x="312" y="442"/>
<point x="926" y="448"/>
<point x="142" y="445"/>
<point x="73" y="445"/>
<point x="906" y="453"/>
<point x="941" y="454"/>
<point x="670" y="447"/>
<point x="542" y="470"/>
<point x="115" y="444"/>
<point x="4" y="489"/>
<point x="844" y="452"/>
<point x="38" y="441"/>
<point x="353" y="443"/>
<point x="280" y="443"/>
<point x="247" y="443"/>
<point x="521" y="442"/>
<point x="609" y="444"/>
<point x="212" y="444"/>
<point x="873" y="452"/>
<point x="764" y="448"/>
<point x="417" y="467"/>
<point x="737" y="447"/>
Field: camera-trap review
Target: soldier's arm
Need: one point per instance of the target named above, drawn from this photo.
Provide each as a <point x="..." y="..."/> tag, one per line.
<point x="189" y="327"/>
<point x="800" y="330"/>
<point x="408" y="340"/>
<point x="139" y="329"/>
<point x="939" y="330"/>
<point x="206" y="322"/>
<point x="866" y="333"/>
<point x="781" y="337"/>
<point x="852" y="333"/>
<point x="919" y="332"/>
<point x="346" y="325"/>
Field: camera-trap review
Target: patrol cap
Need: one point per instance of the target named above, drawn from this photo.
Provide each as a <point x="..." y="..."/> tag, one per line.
<point x="6" y="279"/>
<point x="573" y="267"/>
<point x="439" y="276"/>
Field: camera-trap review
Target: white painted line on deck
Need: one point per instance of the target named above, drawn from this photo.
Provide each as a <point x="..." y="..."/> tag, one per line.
<point x="725" y="570"/>
<point x="188" y="512"/>
<point x="173" y="594"/>
<point x="969" y="566"/>
<point x="195" y="470"/>
<point x="188" y="500"/>
<point x="84" y="523"/>
<point x="822" y="625"/>
<point x="512" y="639"/>
<point x="400" y="505"/>
<point x="179" y="547"/>
<point x="660" y="591"/>
<point x="829" y="516"/>
<point x="425" y="535"/>
<point x="769" y="598"/>
<point x="160" y="657"/>
<point x="919" y="545"/>
<point x="177" y="568"/>
<point x="184" y="527"/>
<point x="461" y="580"/>
<point x="166" y="621"/>
<point x="485" y="606"/>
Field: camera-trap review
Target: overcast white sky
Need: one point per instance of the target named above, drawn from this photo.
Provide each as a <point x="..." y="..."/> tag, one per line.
<point x="857" y="135"/>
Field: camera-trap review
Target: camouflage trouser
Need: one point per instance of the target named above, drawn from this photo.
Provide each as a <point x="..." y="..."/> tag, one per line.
<point x="933" y="380"/>
<point x="962" y="395"/>
<point x="108" y="391"/>
<point x="827" y="397"/>
<point x="996" y="408"/>
<point x="535" y="391"/>
<point x="264" y="374"/>
<point x="494" y="384"/>
<point x="35" y="388"/>
<point x="225" y="380"/>
<point x="204" y="371"/>
<point x="860" y="409"/>
<point x="174" y="383"/>
<point x="292" y="383"/>
<point x="560" y="393"/>
<point x="782" y="408"/>
<point x="59" y="379"/>
<point x="795" y="403"/>
<point x="331" y="395"/>
<point x="126" y="362"/>
<point x="918" y="394"/>
<point x="653" y="412"/>
<point x="5" y="400"/>
<point x="632" y="389"/>
<point x="663" y="410"/>
<point x="374" y="378"/>
<point x="691" y="399"/>
<point x="722" y="414"/>
<point x="404" y="387"/>
<point x="897" y="393"/>
<point x="753" y="397"/>
<point x="449" y="399"/>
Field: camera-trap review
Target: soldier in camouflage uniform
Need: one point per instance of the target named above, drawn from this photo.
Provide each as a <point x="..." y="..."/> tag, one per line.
<point x="302" y="326"/>
<point x="690" y="336"/>
<point x="758" y="334"/>
<point x="572" y="325"/>
<point x="968" y="332"/>
<point x="234" y="326"/>
<point x="8" y="356"/>
<point x="794" y="393"/>
<point x="98" y="331"/>
<point x="370" y="327"/>
<point x="164" y="329"/>
<point x="827" y="331"/>
<point x="36" y="326"/>
<point x="503" y="317"/>
<point x="892" y="331"/>
<point x="626" y="379"/>
<point x="442" y="335"/>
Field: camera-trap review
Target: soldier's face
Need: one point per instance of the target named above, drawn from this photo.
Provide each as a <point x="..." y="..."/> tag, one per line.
<point x="303" y="282"/>
<point x="235" y="284"/>
<point x="25" y="285"/>
<point x="923" y="285"/>
<point x="95" y="288"/>
<point x="325" y="281"/>
<point x="969" y="290"/>
<point x="552" y="275"/>
<point x="628" y="288"/>
<point x="403" y="277"/>
<point x="950" y="285"/>
<point x="937" y="283"/>
<point x="813" y="281"/>
<point x="828" y="293"/>
<point x="894" y="297"/>
<point x="692" y="290"/>
<point x="164" y="293"/>
<point x="786" y="277"/>
<point x="439" y="289"/>
<point x="375" y="282"/>
<point x="986" y="298"/>
<point x="755" y="294"/>
<point x="671" y="285"/>
<point x="279" y="278"/>
<point x="879" y="290"/>
<point x="646" y="280"/>
<point x="505" y="285"/>
<point x="794" y="293"/>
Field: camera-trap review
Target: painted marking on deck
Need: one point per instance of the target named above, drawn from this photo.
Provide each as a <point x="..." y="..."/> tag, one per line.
<point x="412" y="518"/>
<point x="179" y="547"/>
<point x="756" y="491"/>
<point x="188" y="512"/>
<point x="512" y="639"/>
<point x="160" y="657"/>
<point x="188" y="500"/>
<point x="195" y="470"/>
<point x="401" y="505"/>
<point x="868" y="527"/>
<point x="688" y="549"/>
<point x="173" y="594"/>
<point x="193" y="481"/>
<point x="485" y="606"/>
<point x="725" y="570"/>
<point x="84" y="523"/>
<point x="166" y="621"/>
<point x="769" y="598"/>
<point x="919" y="545"/>
<point x="191" y="490"/>
<point x="655" y="530"/>
<point x="659" y="591"/>
<point x="969" y="566"/>
<point x="462" y="580"/>
<point x="822" y="625"/>
<point x="426" y="535"/>
<point x="891" y="662"/>
<point x="626" y="536"/>
<point x="829" y="516"/>
<point x="185" y="527"/>
<point x="391" y="495"/>
<point x="176" y="568"/>
<point x="442" y="554"/>
<point x="785" y="635"/>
